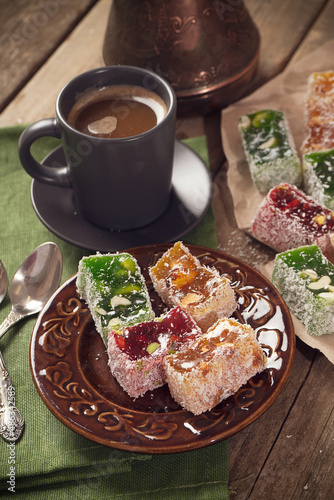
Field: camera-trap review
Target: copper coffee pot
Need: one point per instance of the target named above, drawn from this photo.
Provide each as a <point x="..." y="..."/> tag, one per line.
<point x="207" y="49"/>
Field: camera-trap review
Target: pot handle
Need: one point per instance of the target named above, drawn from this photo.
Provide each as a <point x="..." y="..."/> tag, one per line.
<point x="55" y="175"/>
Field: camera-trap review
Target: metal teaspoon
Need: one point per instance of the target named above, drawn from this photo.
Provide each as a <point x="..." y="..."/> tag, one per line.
<point x="33" y="284"/>
<point x="6" y="384"/>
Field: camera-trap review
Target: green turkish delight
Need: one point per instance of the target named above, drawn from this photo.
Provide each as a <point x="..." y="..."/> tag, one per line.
<point x="318" y="170"/>
<point x="115" y="291"/>
<point x="269" y="149"/>
<point x="305" y="278"/>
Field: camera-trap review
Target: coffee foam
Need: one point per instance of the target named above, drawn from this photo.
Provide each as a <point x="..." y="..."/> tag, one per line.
<point x="159" y="110"/>
<point x="104" y="126"/>
<point x="130" y="92"/>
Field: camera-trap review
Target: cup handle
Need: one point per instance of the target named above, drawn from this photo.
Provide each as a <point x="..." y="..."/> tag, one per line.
<point x="58" y="176"/>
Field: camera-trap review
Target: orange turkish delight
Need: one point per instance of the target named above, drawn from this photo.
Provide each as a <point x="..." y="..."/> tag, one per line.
<point x="214" y="366"/>
<point x="181" y="280"/>
<point x="319" y="112"/>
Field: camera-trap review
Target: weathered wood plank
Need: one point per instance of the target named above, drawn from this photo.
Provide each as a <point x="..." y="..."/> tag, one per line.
<point x="301" y="455"/>
<point x="250" y="448"/>
<point x="317" y="481"/>
<point x="322" y="31"/>
<point x="283" y="26"/>
<point x="29" y="33"/>
<point x="82" y="50"/>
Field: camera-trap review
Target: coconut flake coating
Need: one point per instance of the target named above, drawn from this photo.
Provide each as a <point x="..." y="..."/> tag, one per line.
<point x="318" y="170"/>
<point x="305" y="278"/>
<point x="269" y="149"/>
<point x="136" y="353"/>
<point x="115" y="291"/>
<point x="287" y="219"/>
<point x="181" y="280"/>
<point x="214" y="366"/>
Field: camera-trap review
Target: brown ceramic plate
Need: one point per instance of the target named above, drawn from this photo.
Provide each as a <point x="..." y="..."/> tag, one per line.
<point x="69" y="367"/>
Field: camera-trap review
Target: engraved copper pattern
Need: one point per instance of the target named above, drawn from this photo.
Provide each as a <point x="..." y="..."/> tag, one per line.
<point x="208" y="50"/>
<point x="69" y="366"/>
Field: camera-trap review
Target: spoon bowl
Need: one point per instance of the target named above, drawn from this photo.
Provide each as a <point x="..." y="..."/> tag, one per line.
<point x="3" y="282"/>
<point x="36" y="279"/>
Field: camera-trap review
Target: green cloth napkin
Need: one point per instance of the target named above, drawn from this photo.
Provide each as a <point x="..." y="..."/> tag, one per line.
<point x="50" y="460"/>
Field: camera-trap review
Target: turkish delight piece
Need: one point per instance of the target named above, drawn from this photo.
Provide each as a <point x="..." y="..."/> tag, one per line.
<point x="319" y="112"/>
<point x="305" y="278"/>
<point x="214" y="366"/>
<point x="136" y="353"/>
<point x="181" y="280"/>
<point x="269" y="149"/>
<point x="318" y="170"/>
<point x="115" y="291"/>
<point x="287" y="219"/>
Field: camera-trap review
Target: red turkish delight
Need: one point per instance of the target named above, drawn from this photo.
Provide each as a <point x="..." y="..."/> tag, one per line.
<point x="136" y="353"/>
<point x="287" y="219"/>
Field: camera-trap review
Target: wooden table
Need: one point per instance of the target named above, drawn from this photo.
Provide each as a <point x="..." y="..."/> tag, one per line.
<point x="288" y="452"/>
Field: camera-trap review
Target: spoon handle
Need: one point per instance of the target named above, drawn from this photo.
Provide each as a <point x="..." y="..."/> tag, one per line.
<point x="12" y="318"/>
<point x="11" y="420"/>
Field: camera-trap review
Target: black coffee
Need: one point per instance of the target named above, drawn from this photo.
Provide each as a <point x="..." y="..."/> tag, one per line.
<point x="116" y="111"/>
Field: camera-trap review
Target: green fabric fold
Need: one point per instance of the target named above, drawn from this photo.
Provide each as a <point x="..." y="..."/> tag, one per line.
<point x="50" y="460"/>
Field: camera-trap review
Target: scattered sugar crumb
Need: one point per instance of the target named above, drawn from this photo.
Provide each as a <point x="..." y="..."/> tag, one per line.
<point x="247" y="249"/>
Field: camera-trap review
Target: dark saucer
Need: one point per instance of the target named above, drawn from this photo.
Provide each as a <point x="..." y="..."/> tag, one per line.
<point x="191" y="197"/>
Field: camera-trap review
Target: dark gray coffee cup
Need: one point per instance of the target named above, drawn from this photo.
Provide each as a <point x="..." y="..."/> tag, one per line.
<point x="119" y="184"/>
